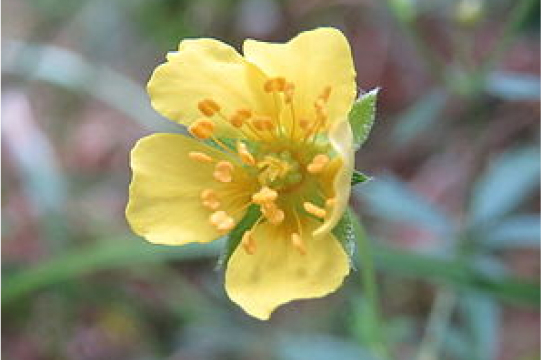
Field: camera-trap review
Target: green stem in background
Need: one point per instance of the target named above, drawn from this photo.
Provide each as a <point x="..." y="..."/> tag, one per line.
<point x="516" y="18"/>
<point x="436" y="327"/>
<point x="368" y="278"/>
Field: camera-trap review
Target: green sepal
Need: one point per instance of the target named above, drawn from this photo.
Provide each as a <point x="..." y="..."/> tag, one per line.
<point x="345" y="233"/>
<point x="235" y="236"/>
<point x="358" y="178"/>
<point x="361" y="116"/>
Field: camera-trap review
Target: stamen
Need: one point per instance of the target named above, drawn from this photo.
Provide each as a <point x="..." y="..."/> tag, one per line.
<point x="297" y="242"/>
<point x="330" y="202"/>
<point x="265" y="195"/>
<point x="288" y="92"/>
<point x="273" y="213"/>
<point x="240" y="117"/>
<point x="244" y="154"/>
<point x="314" y="210"/>
<point x="248" y="242"/>
<point x="208" y="107"/>
<point x="202" y="129"/>
<point x="263" y="122"/>
<point x="223" y="171"/>
<point x="318" y="164"/>
<point x="275" y="84"/>
<point x="199" y="156"/>
<point x="222" y="221"/>
<point x="209" y="199"/>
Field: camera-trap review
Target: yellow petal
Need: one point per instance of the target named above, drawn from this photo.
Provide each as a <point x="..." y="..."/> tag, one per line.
<point x="164" y="199"/>
<point x="340" y="172"/>
<point x="277" y="272"/>
<point x="313" y="60"/>
<point x="206" y="69"/>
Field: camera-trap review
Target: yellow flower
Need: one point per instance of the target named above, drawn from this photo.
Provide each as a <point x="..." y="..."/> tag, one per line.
<point x="270" y="129"/>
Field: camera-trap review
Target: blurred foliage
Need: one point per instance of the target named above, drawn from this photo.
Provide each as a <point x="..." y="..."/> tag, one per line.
<point x="450" y="216"/>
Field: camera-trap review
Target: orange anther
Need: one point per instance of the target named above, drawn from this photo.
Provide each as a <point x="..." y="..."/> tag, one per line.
<point x="222" y="221"/>
<point x="263" y="122"/>
<point x="265" y="195"/>
<point x="318" y="164"/>
<point x="244" y="154"/>
<point x="201" y="129"/>
<point x="209" y="199"/>
<point x="199" y="156"/>
<point x="297" y="242"/>
<point x="314" y="210"/>
<point x="208" y="107"/>
<point x="275" y="84"/>
<point x="223" y="171"/>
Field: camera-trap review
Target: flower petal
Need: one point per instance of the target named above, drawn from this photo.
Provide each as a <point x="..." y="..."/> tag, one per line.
<point x="278" y="273"/>
<point x="206" y="69"/>
<point x="164" y="199"/>
<point x="312" y="60"/>
<point x="341" y="139"/>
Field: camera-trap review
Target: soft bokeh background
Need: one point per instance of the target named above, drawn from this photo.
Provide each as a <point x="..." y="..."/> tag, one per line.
<point x="452" y="212"/>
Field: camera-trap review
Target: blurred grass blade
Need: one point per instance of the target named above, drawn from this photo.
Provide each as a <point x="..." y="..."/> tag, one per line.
<point x="391" y="199"/>
<point x="362" y="116"/>
<point x="514" y="86"/>
<point x="69" y="70"/>
<point x="419" y="117"/>
<point x="521" y="231"/>
<point x="482" y="318"/>
<point x="507" y="183"/>
<point x="113" y="254"/>
<point x="457" y="273"/>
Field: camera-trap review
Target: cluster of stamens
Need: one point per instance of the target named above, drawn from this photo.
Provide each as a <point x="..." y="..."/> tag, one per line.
<point x="275" y="164"/>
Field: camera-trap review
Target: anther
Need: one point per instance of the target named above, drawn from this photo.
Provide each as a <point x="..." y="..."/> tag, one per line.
<point x="222" y="221"/>
<point x="209" y="199"/>
<point x="262" y="122"/>
<point x="223" y="171"/>
<point x="325" y="94"/>
<point x="275" y="84"/>
<point x="318" y="164"/>
<point x="288" y="92"/>
<point x="199" y="156"/>
<point x="248" y="242"/>
<point x="244" y="154"/>
<point x="264" y="196"/>
<point x="314" y="210"/>
<point x="297" y="242"/>
<point x="239" y="117"/>
<point x="208" y="107"/>
<point x="273" y="213"/>
<point x="202" y="129"/>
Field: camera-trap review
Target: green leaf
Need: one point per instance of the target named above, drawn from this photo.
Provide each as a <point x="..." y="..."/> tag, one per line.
<point x="362" y="115"/>
<point x="106" y="255"/>
<point x="358" y="177"/>
<point x="344" y="233"/>
<point x="510" y="180"/>
<point x="235" y="236"/>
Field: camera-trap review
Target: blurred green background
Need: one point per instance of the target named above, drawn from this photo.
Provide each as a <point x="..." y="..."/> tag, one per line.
<point x="452" y="213"/>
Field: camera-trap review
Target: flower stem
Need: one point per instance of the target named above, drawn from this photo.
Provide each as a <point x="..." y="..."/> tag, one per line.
<point x="368" y="278"/>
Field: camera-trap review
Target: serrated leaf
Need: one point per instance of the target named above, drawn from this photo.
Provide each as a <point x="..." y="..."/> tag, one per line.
<point x="361" y="116"/>
<point x="358" y="177"/>
<point x="345" y="234"/>
<point x="233" y="239"/>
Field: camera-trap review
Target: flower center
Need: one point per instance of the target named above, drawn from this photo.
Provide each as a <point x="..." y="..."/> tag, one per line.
<point x="280" y="162"/>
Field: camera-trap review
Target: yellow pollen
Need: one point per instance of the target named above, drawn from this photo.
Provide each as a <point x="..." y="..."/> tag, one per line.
<point x="202" y="129"/>
<point x="297" y="242"/>
<point x="314" y="210"/>
<point x="244" y="154"/>
<point x="209" y="199"/>
<point x="223" y="171"/>
<point x="208" y="107"/>
<point x="222" y="221"/>
<point x="275" y="84"/>
<point x="265" y="195"/>
<point x="318" y="164"/>
<point x="273" y="213"/>
<point x="248" y="242"/>
<point x="262" y="122"/>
